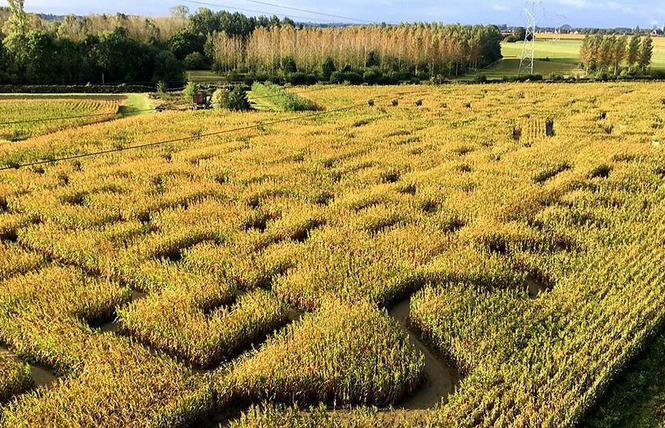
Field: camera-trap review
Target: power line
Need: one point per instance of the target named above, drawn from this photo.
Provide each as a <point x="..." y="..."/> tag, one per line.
<point x="250" y="10"/>
<point x="52" y="119"/>
<point x="308" y="11"/>
<point x="177" y="140"/>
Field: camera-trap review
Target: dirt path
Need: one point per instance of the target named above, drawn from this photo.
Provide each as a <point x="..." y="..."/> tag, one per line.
<point x="40" y="376"/>
<point x="441" y="378"/>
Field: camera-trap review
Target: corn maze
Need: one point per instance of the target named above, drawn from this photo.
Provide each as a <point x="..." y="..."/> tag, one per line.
<point x="412" y="261"/>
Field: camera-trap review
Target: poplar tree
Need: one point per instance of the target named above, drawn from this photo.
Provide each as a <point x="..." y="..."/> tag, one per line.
<point x="619" y="52"/>
<point x="646" y="52"/>
<point x="633" y="54"/>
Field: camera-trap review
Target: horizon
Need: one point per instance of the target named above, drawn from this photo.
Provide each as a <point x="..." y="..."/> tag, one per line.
<point x="576" y="13"/>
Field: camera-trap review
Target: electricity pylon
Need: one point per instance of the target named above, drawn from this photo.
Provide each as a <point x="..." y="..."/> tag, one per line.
<point x="529" y="48"/>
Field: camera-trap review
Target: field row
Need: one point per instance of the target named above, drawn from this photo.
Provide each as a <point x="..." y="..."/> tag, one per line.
<point x="26" y="117"/>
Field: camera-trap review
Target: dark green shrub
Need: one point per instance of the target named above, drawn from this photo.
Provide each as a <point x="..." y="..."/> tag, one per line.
<point x="238" y="100"/>
<point x="327" y="69"/>
<point x="288" y="65"/>
<point x="196" y="61"/>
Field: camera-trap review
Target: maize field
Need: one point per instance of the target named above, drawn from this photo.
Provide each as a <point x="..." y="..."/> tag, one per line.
<point x="250" y="266"/>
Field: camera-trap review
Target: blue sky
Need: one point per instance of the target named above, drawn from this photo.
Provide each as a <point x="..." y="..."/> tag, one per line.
<point x="579" y="13"/>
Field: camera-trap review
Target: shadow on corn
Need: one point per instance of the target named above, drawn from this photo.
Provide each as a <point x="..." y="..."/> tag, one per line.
<point x="111" y="325"/>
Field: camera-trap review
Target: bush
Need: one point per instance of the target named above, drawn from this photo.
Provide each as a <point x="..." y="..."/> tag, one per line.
<point x="221" y="98"/>
<point x="439" y="79"/>
<point x="286" y="100"/>
<point x="391" y="78"/>
<point x="657" y="74"/>
<point x="190" y="90"/>
<point x="288" y="65"/>
<point x="351" y="77"/>
<point x="372" y="76"/>
<point x="327" y="69"/>
<point x="302" y="79"/>
<point x="162" y="87"/>
<point x="481" y="78"/>
<point x="196" y="61"/>
<point x="238" y="100"/>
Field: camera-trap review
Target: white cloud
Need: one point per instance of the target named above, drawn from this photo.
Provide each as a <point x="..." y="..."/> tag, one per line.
<point x="578" y="4"/>
<point x="618" y="6"/>
<point x="500" y="7"/>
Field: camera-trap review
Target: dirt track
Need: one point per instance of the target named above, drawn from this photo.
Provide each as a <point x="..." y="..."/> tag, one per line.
<point x="441" y="378"/>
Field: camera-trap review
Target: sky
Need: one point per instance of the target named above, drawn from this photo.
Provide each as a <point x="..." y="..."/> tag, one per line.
<point x="578" y="13"/>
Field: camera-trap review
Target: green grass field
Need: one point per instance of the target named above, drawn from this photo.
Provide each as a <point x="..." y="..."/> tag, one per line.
<point x="136" y="104"/>
<point x="205" y="76"/>
<point x="563" y="55"/>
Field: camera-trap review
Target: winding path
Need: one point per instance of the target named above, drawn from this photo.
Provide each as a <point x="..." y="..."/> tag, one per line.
<point x="441" y="378"/>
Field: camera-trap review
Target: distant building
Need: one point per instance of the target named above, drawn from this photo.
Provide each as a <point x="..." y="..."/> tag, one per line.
<point x="658" y="32"/>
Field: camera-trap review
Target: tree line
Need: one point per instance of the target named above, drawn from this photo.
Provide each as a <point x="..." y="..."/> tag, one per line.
<point x="420" y="50"/>
<point x="113" y="48"/>
<point x="606" y="54"/>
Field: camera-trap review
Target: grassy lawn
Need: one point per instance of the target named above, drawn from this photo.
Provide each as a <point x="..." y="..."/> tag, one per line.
<point x="136" y="104"/>
<point x="262" y="103"/>
<point x="205" y="76"/>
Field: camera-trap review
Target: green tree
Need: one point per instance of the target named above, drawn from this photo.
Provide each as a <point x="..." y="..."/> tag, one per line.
<point x="221" y="98"/>
<point x="41" y="64"/>
<point x="190" y="91"/>
<point x="238" y="100"/>
<point x="646" y="53"/>
<point x="18" y="22"/>
<point x="619" y="52"/>
<point x="123" y="59"/>
<point x="327" y="69"/>
<point x="196" y="61"/>
<point x="185" y="42"/>
<point x="519" y="33"/>
<point x="633" y="54"/>
<point x="288" y="65"/>
<point x="605" y="53"/>
<point x="168" y="70"/>
<point x="590" y="52"/>
<point x="4" y="65"/>
<point x="16" y="29"/>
